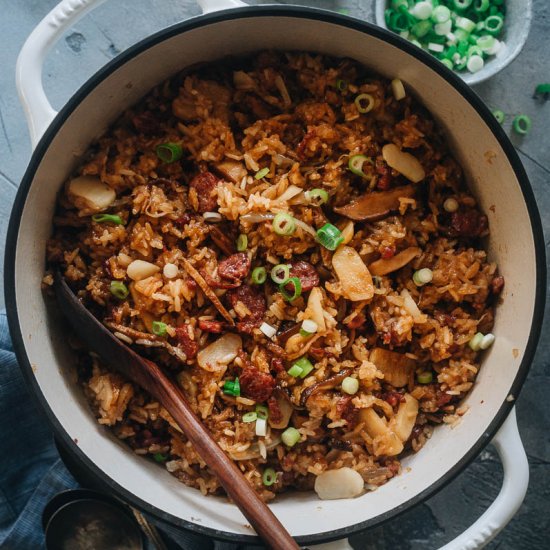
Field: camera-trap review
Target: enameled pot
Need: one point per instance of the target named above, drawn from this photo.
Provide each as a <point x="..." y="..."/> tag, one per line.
<point x="495" y="175"/>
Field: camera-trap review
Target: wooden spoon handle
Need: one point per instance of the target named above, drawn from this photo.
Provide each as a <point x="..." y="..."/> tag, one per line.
<point x="231" y="478"/>
<point x="150" y="377"/>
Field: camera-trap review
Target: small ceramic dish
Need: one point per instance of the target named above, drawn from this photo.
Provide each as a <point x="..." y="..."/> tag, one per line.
<point x="516" y="29"/>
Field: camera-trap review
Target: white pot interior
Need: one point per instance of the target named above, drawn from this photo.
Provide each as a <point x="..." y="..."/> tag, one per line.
<point x="491" y="177"/>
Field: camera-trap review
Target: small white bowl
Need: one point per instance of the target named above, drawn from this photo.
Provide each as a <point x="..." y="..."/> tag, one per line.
<point x="516" y="29"/>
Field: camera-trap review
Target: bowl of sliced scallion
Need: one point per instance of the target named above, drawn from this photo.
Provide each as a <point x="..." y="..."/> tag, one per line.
<point x="474" y="38"/>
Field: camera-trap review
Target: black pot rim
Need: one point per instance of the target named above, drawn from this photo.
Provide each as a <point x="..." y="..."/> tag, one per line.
<point x="304" y="13"/>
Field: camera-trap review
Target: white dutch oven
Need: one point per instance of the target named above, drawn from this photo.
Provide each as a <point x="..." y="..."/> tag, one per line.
<point x="494" y="172"/>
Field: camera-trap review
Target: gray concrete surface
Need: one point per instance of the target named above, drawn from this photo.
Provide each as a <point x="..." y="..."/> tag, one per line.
<point x="116" y="25"/>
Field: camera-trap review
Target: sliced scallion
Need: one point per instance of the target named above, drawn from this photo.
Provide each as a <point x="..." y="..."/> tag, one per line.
<point x="259" y="275"/>
<point x="364" y="103"/>
<point x="294" y="371"/>
<point x="119" y="290"/>
<point x="317" y="196"/>
<point x="476" y="341"/>
<point x="261" y="427"/>
<point x="330" y="236"/>
<point x="487" y="341"/>
<point x="309" y="327"/>
<point x="262" y="412"/>
<point x="261" y="173"/>
<point x="494" y="24"/>
<point x="242" y="242"/>
<point x="290" y="296"/>
<point x="250" y="417"/>
<point x="341" y="85"/>
<point x="159" y="457"/>
<point x="350" y="385"/>
<point x="111" y="218"/>
<point x="522" y="124"/>
<point x="232" y="388"/>
<point x="280" y="273"/>
<point x="284" y="224"/>
<point x="269" y="477"/>
<point x="499" y="115"/>
<point x="169" y="152"/>
<point x="425" y="377"/>
<point x="355" y="164"/>
<point x="290" y="437"/>
<point x="422" y="276"/>
<point x="159" y="328"/>
<point x="305" y="365"/>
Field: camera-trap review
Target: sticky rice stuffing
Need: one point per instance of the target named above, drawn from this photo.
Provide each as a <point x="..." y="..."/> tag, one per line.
<point x="299" y="250"/>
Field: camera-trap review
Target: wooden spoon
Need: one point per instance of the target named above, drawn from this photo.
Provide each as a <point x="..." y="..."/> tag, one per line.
<point x="150" y="377"/>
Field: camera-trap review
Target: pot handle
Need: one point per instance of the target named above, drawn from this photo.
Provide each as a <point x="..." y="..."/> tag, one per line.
<point x="28" y="72"/>
<point x="510" y="449"/>
<point x="516" y="479"/>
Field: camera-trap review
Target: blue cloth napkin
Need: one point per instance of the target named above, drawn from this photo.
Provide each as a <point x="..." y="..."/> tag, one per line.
<point x="31" y="472"/>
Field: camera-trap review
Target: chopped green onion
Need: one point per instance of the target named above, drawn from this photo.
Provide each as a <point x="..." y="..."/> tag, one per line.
<point x="119" y="290"/>
<point x="441" y="14"/>
<point x="261" y="173"/>
<point x="159" y="328"/>
<point x="422" y="10"/>
<point x="422" y="276"/>
<point x="355" y="164"/>
<point x="242" y="242"/>
<point x="450" y="205"/>
<point x="447" y="62"/>
<point x="294" y="371"/>
<point x="425" y="377"/>
<point x="341" y="85"/>
<point x="465" y="24"/>
<point x="476" y="341"/>
<point x="317" y="196"/>
<point x="169" y="152"/>
<point x="462" y="4"/>
<point x="364" y="103"/>
<point x="421" y="29"/>
<point x="486" y="42"/>
<point x="101" y="218"/>
<point x="269" y="477"/>
<point x="522" y="124"/>
<point x="350" y="385"/>
<point x="499" y="115"/>
<point x="261" y="427"/>
<point x="262" y="412"/>
<point x="308" y="327"/>
<point x="305" y="366"/>
<point x="481" y="5"/>
<point x="438" y="48"/>
<point x="232" y="388"/>
<point x="250" y="417"/>
<point x="296" y="292"/>
<point x="284" y="224"/>
<point x="542" y="90"/>
<point x="159" y="457"/>
<point x="330" y="236"/>
<point x="399" y="22"/>
<point x="487" y="341"/>
<point x="290" y="437"/>
<point x="280" y="273"/>
<point x="443" y="29"/>
<point x="475" y="63"/>
<point x="259" y="275"/>
<point x="494" y="24"/>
